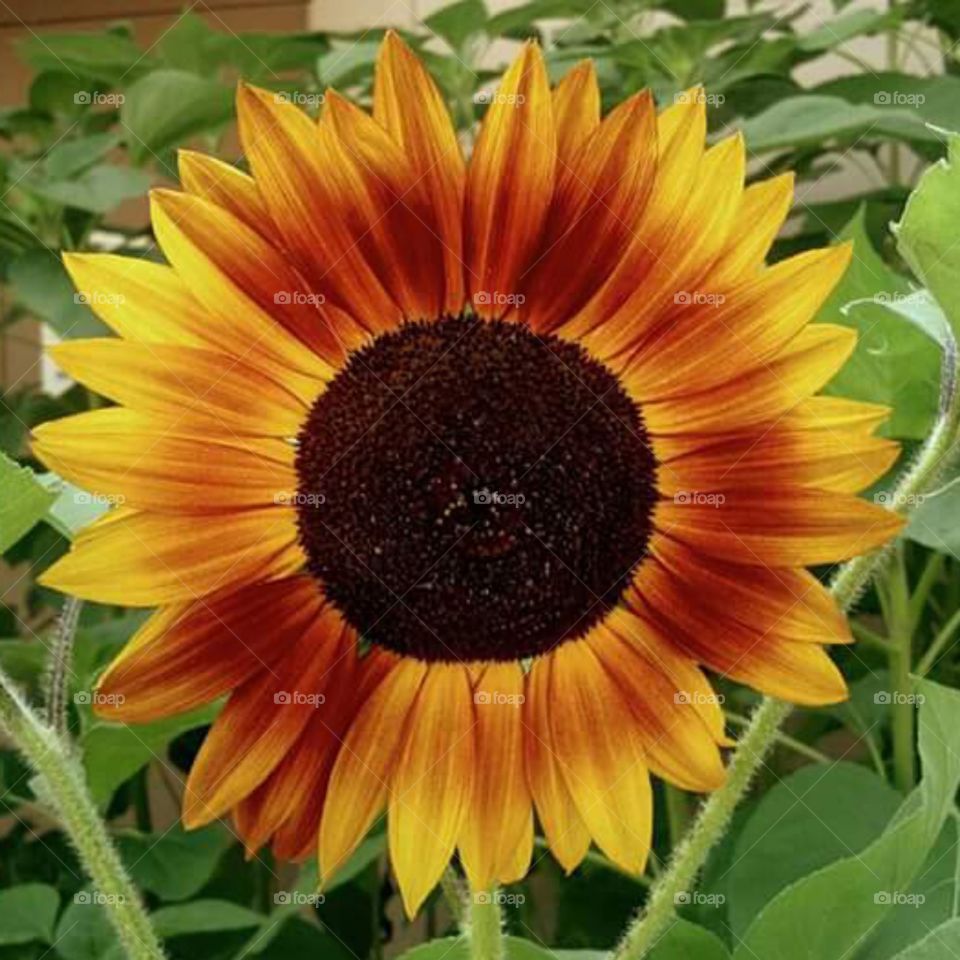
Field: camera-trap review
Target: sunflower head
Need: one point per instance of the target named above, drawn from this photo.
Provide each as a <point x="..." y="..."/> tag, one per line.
<point x="455" y="477"/>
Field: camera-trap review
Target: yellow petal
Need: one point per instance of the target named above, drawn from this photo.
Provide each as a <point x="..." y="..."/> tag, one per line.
<point x="407" y="103"/>
<point x="576" y="109"/>
<point x="565" y="830"/>
<point x="144" y="463"/>
<point x="510" y="183"/>
<point x="601" y="756"/>
<point x="146" y="559"/>
<point x="358" y="785"/>
<point x="432" y="781"/>
<point x="497" y="830"/>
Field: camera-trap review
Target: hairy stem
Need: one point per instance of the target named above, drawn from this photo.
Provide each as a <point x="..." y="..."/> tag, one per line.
<point x="64" y="789"/>
<point x="847" y="586"/>
<point x="60" y="666"/>
<point x="485" y="929"/>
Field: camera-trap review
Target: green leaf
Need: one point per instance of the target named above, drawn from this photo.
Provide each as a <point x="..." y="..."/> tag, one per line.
<point x="347" y="63"/>
<point x="920" y="309"/>
<point x="811" y="818"/>
<point x="24" y="501"/>
<point x="40" y="283"/>
<point x="935" y="522"/>
<point x="175" y="864"/>
<point x="97" y="190"/>
<point x="109" y="57"/>
<point x="894" y="363"/>
<point x="934" y="100"/>
<point x="112" y="753"/>
<point x="458" y="948"/>
<point x="518" y="21"/>
<point x="84" y="932"/>
<point x="827" y="913"/>
<point x="203" y="916"/>
<point x="458" y="22"/>
<point x="814" y="120"/>
<point x="939" y="944"/>
<point x="28" y="912"/>
<point x="841" y="29"/>
<point x="72" y="508"/>
<point x="166" y="107"/>
<point x="71" y="157"/>
<point x="926" y="234"/>
<point x="685" y="940"/>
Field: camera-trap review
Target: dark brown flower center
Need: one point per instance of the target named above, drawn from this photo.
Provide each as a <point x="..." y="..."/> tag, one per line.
<point x="469" y="490"/>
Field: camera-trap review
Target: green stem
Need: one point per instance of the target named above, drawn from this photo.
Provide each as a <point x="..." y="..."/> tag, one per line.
<point x="939" y="642"/>
<point x="850" y="581"/>
<point x="455" y="894"/>
<point x="485" y="927"/>
<point x="865" y="635"/>
<point x="63" y="787"/>
<point x="678" y="813"/>
<point x="798" y="746"/>
<point x="680" y="876"/>
<point x="60" y="666"/>
<point x="901" y="655"/>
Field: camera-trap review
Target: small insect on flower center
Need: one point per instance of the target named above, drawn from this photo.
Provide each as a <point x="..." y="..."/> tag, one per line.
<point x="470" y="490"/>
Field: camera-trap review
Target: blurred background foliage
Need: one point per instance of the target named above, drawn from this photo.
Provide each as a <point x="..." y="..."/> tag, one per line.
<point x="102" y="123"/>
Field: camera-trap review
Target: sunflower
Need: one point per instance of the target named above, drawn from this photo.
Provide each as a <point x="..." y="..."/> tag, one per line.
<point x="455" y="477"/>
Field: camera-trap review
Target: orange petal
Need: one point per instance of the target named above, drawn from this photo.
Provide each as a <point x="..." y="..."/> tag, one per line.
<point x="576" y="109"/>
<point x="316" y="195"/>
<point x="601" y="755"/>
<point x="499" y="818"/>
<point x="264" y="718"/>
<point x="189" y="654"/>
<point x="682" y="259"/>
<point x="198" y="390"/>
<point x="836" y="461"/>
<point x="763" y="395"/>
<point x="432" y="782"/>
<point x="780" y="526"/>
<point x="230" y="267"/>
<point x="677" y="743"/>
<point x="790" y="603"/>
<point x="565" y="830"/>
<point x="763" y="209"/>
<point x="697" y="344"/>
<point x="799" y="672"/>
<point x="124" y="453"/>
<point x="358" y="785"/>
<point x="144" y="559"/>
<point x="510" y="183"/>
<point x="681" y="130"/>
<point x="407" y="103"/>
<point x="226" y="186"/>
<point x="596" y="206"/>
